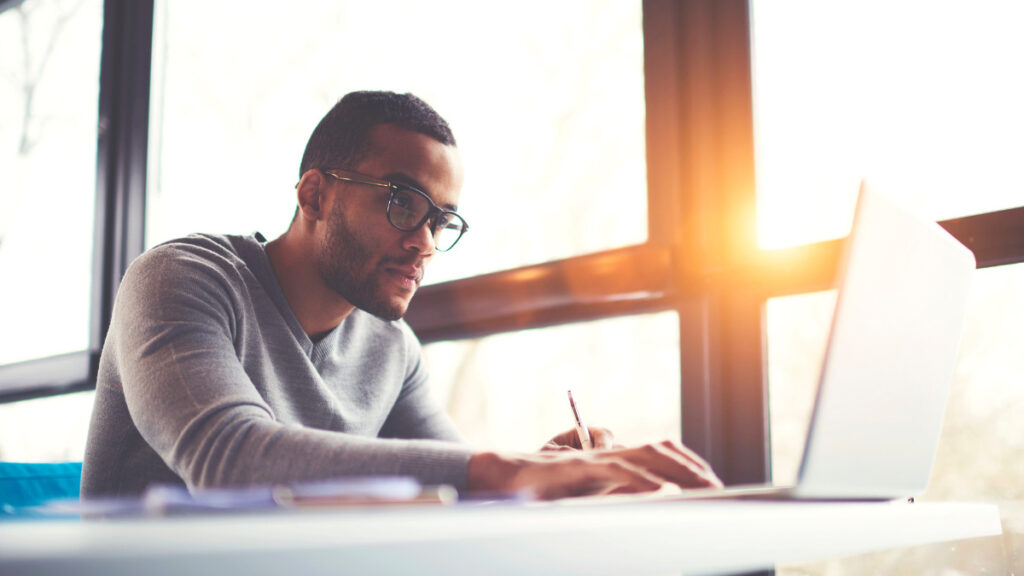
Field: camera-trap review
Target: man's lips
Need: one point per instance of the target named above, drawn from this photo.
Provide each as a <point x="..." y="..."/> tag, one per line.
<point x="412" y="274"/>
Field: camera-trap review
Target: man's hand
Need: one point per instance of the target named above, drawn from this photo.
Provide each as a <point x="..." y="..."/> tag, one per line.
<point x="565" y="473"/>
<point x="570" y="440"/>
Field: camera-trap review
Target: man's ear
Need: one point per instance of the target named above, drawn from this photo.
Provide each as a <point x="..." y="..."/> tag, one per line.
<point x="309" y="193"/>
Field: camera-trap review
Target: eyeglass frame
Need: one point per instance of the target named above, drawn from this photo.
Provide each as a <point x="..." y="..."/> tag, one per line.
<point x="357" y="178"/>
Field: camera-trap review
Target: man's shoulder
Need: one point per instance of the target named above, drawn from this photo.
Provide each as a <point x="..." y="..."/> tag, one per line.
<point x="201" y="251"/>
<point x="210" y="246"/>
<point x="196" y="260"/>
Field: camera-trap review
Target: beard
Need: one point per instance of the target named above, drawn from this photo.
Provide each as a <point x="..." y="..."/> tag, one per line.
<point x="345" y="264"/>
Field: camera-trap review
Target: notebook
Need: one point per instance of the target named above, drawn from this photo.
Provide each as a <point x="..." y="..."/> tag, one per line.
<point x="889" y="363"/>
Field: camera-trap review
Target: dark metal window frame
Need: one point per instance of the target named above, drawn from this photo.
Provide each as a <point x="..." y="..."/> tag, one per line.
<point x="701" y="259"/>
<point x="120" y="196"/>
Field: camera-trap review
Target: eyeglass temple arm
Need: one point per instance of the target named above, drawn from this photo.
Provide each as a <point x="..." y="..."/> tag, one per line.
<point x="360" y="181"/>
<point x="435" y="208"/>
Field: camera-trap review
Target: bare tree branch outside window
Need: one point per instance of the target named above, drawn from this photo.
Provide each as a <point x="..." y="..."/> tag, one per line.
<point x="36" y="19"/>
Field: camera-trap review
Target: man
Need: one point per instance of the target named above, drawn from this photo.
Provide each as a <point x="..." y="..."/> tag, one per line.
<point x="231" y="361"/>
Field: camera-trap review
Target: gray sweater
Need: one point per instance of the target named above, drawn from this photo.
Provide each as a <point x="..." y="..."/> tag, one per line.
<point x="207" y="379"/>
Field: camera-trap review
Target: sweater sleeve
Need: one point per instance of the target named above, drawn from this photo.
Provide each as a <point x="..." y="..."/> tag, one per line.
<point x="193" y="403"/>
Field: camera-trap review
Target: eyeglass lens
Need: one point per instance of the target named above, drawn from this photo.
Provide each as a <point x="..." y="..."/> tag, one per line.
<point x="408" y="209"/>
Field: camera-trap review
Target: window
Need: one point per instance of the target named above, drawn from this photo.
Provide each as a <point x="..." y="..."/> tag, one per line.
<point x="45" y="429"/>
<point x="797" y="334"/>
<point x="508" y="391"/>
<point x="548" y="113"/>
<point x="915" y="98"/>
<point x="48" y="50"/>
<point x="68" y="137"/>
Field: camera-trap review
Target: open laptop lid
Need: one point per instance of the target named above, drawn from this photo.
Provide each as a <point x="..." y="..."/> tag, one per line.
<point x="889" y="363"/>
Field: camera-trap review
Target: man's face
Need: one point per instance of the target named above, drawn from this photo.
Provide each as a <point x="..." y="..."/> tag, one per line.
<point x="369" y="262"/>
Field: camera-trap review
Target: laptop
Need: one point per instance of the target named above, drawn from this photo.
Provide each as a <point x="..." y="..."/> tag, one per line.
<point x="885" y="380"/>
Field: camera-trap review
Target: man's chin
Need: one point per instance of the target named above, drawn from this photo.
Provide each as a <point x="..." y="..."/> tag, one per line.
<point x="382" y="300"/>
<point x="390" y="310"/>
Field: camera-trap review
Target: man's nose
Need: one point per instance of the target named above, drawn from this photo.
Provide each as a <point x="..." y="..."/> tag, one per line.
<point x="421" y="239"/>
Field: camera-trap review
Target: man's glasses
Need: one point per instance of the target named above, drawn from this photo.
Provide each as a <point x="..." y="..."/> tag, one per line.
<point x="409" y="209"/>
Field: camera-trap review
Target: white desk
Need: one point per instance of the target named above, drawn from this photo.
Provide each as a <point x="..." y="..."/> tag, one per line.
<point x="634" y="539"/>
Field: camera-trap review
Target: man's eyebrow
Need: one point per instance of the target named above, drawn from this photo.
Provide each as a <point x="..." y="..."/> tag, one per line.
<point x="406" y="180"/>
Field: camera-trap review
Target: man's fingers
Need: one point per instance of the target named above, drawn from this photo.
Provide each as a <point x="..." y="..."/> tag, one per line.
<point x="687" y="453"/>
<point x="602" y="438"/>
<point x="552" y="447"/>
<point x="672" y="465"/>
<point x="633" y="478"/>
<point x="694" y="459"/>
<point x="586" y="476"/>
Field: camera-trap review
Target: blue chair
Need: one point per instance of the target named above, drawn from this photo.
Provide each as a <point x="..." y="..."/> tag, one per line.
<point x="24" y="485"/>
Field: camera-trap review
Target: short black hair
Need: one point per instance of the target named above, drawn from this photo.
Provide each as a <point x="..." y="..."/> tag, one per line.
<point x="341" y="141"/>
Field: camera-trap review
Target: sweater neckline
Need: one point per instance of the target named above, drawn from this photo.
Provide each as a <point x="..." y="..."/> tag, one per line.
<point x="259" y="261"/>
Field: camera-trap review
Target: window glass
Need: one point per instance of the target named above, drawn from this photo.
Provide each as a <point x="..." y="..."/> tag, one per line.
<point x="797" y="335"/>
<point x="546" y="101"/>
<point x="981" y="451"/>
<point x="918" y="98"/>
<point x="508" y="391"/>
<point x="49" y="101"/>
<point x="46" y="429"/>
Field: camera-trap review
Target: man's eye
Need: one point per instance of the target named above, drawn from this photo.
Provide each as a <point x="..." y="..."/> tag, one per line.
<point x="402" y="199"/>
<point x="442" y="220"/>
